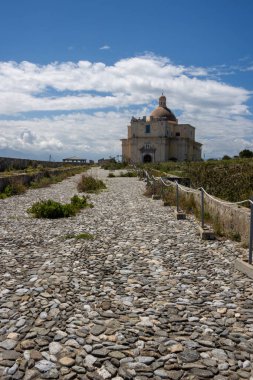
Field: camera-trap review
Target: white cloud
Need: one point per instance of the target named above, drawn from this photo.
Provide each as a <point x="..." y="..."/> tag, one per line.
<point x="105" y="47"/>
<point x="28" y="137"/>
<point x="79" y="133"/>
<point x="83" y="92"/>
<point x="249" y="68"/>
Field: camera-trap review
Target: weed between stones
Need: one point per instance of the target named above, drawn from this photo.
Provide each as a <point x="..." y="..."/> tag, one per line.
<point x="52" y="210"/>
<point x="89" y="184"/>
<point x="84" y="235"/>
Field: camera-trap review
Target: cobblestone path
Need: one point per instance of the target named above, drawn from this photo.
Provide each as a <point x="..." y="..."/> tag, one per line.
<point x="146" y="299"/>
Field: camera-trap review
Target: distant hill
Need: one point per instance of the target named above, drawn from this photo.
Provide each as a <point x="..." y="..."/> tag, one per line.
<point x="13" y="154"/>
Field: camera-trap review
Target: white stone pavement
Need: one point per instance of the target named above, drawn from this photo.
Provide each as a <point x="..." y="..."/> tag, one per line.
<point x="146" y="299"/>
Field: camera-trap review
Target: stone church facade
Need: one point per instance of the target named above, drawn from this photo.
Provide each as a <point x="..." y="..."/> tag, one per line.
<point x="160" y="138"/>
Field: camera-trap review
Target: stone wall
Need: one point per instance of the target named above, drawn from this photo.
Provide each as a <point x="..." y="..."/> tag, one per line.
<point x="232" y="220"/>
<point x="7" y="163"/>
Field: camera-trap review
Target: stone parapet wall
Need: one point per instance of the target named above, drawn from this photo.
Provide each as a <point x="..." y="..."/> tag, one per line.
<point x="232" y="220"/>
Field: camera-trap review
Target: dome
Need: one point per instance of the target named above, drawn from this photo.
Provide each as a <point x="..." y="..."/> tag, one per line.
<point x="162" y="111"/>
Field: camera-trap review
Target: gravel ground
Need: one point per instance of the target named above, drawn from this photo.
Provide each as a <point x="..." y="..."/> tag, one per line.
<point x="146" y="299"/>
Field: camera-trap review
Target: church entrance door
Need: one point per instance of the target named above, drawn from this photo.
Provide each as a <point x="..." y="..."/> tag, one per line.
<point x="147" y="158"/>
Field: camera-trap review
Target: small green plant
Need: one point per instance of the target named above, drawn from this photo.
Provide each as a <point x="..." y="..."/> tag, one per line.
<point x="84" y="235"/>
<point x="111" y="175"/>
<point x="89" y="184"/>
<point x="52" y="210"/>
<point x="79" y="202"/>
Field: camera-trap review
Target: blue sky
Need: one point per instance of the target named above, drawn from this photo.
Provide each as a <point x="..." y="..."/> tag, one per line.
<point x="73" y="72"/>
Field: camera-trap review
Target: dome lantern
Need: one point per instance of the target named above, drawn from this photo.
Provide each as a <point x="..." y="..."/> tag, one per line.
<point x="162" y="101"/>
<point x="163" y="112"/>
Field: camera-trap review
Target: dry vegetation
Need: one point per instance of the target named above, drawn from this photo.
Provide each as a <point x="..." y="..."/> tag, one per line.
<point x="43" y="178"/>
<point x="231" y="180"/>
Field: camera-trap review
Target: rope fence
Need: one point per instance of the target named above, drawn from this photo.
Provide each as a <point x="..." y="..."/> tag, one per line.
<point x="203" y="193"/>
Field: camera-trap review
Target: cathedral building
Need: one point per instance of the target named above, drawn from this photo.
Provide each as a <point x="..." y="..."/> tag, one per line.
<point x="160" y="138"/>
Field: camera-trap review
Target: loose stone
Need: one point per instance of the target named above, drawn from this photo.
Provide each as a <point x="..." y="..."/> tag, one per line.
<point x="67" y="361"/>
<point x="8" y="344"/>
<point x="44" y="365"/>
<point x="144" y="299"/>
<point x="55" y="348"/>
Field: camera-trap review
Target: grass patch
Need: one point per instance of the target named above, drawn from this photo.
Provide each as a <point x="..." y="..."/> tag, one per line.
<point x="13" y="189"/>
<point x="80" y="202"/>
<point x="84" y="236"/>
<point x="50" y="209"/>
<point x="89" y="184"/>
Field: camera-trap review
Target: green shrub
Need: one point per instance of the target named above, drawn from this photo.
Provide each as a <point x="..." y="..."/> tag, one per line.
<point x="90" y="184"/>
<point x="111" y="175"/>
<point x="52" y="210"/>
<point x="13" y="189"/>
<point x="78" y="202"/>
